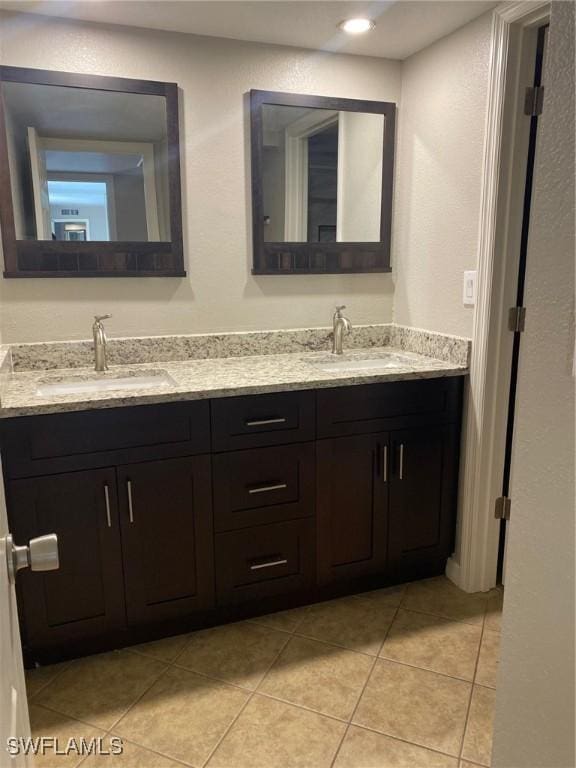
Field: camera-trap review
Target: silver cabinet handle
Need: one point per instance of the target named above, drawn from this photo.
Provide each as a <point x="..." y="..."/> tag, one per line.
<point x="269" y="564"/>
<point x="385" y="464"/>
<point x="401" y="470"/>
<point x="130" y="507"/>
<point x="263" y="422"/>
<point x="107" y="500"/>
<point x="268" y="488"/>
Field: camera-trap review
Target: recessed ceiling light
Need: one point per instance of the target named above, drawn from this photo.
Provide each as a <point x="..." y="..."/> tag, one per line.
<point x="356" y="26"/>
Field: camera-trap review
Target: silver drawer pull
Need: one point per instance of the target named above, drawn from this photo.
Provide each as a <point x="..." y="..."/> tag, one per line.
<point x="269" y="564"/>
<point x="107" y="500"/>
<point x="267" y="488"/>
<point x="385" y="464"/>
<point x="263" y="422"/>
<point x="401" y="471"/>
<point x="130" y="507"/>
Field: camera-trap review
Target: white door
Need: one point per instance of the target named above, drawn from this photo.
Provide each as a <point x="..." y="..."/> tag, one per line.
<point x="39" y="186"/>
<point x="13" y="706"/>
<point x="39" y="554"/>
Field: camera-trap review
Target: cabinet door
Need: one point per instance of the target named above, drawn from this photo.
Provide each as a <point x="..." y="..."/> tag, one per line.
<point x="166" y="526"/>
<point x="352" y="507"/>
<point x="424" y="465"/>
<point x="84" y="598"/>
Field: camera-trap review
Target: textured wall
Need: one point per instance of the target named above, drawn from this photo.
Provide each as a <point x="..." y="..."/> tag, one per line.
<point x="219" y="293"/>
<point x="535" y="700"/>
<point x="438" y="178"/>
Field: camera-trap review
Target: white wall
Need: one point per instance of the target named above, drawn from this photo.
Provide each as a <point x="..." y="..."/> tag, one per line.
<point x="534" y="724"/>
<point x="438" y="178"/>
<point x="219" y="292"/>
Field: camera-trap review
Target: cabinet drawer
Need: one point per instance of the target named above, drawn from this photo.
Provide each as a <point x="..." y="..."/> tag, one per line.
<point x="68" y="441"/>
<point x="378" y="407"/>
<point x="265" y="561"/>
<point x="264" y="485"/>
<point x="258" y="420"/>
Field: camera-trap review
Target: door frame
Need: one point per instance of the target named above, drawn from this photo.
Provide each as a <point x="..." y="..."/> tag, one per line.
<point x="473" y="567"/>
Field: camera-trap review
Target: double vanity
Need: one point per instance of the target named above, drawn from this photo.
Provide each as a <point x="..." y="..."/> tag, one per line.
<point x="210" y="478"/>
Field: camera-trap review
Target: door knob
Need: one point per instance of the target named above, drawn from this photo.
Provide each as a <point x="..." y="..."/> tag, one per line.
<point x="41" y="554"/>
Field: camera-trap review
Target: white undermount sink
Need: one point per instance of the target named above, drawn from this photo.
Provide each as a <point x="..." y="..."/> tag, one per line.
<point x="375" y="364"/>
<point x="105" y="382"/>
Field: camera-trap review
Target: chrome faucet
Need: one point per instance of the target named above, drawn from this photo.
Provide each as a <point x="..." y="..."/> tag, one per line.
<point x="99" y="334"/>
<point x="341" y="326"/>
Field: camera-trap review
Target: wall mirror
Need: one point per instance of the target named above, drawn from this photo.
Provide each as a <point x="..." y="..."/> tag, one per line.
<point x="322" y="174"/>
<point x="89" y="176"/>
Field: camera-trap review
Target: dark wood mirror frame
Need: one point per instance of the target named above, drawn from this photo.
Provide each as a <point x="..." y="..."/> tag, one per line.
<point x="297" y="258"/>
<point x="45" y="258"/>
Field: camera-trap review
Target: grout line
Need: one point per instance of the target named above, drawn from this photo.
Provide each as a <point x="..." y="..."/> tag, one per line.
<point x="351" y="718"/>
<point x="243" y="707"/>
<point x="405" y="741"/>
<point x="463" y="739"/>
<point x="149" y="749"/>
<point x="444" y="617"/>
<point x="71" y="717"/>
<point x="304" y="707"/>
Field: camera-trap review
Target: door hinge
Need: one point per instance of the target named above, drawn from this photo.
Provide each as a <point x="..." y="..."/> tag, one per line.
<point x="517" y="319"/>
<point x="502" y="508"/>
<point x="534" y="100"/>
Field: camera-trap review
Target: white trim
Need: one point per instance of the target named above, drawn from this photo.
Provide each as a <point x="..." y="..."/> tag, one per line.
<point x="475" y="569"/>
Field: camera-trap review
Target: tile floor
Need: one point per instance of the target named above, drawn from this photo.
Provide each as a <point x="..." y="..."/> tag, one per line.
<point x="399" y="678"/>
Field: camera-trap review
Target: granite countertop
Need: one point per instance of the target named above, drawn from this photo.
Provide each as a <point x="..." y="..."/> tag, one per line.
<point x="199" y="379"/>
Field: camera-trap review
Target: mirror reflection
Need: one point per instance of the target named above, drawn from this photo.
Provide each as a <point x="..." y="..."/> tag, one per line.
<point x="87" y="165"/>
<point x="322" y="175"/>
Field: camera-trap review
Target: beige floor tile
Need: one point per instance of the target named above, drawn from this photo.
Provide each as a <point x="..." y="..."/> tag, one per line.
<point x="287" y="621"/>
<point x="319" y="676"/>
<point x="237" y="653"/>
<point x="359" y="622"/>
<point x="489" y="658"/>
<point x="466" y="764"/>
<point x="132" y="756"/>
<point x="166" y="649"/>
<point x="270" y="734"/>
<point x="366" y="749"/>
<point x="415" y="705"/>
<point x="63" y="729"/>
<point x="441" y="597"/>
<point x="37" y="679"/>
<point x="430" y="642"/>
<point x="182" y="716"/>
<point x="494" y="610"/>
<point x="99" y="689"/>
<point x="478" y="739"/>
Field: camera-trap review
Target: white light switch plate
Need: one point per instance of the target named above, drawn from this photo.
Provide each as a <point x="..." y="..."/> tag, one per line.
<point x="469" y="288"/>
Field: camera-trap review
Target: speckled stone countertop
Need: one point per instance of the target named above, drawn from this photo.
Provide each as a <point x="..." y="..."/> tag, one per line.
<point x="217" y="377"/>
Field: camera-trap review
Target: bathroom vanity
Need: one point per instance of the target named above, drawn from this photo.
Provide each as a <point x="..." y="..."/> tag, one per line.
<point x="182" y="514"/>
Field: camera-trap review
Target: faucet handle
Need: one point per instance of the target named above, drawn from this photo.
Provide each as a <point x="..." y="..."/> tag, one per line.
<point x="339" y="308"/>
<point x="99" y="318"/>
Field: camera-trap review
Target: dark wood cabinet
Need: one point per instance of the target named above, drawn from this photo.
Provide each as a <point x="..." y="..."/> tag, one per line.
<point x="352" y="507"/>
<point x="84" y="598"/>
<point x="423" y="473"/>
<point x="177" y="516"/>
<point x="165" y="521"/>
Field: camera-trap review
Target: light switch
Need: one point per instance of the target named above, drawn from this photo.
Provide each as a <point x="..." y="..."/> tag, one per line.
<point x="469" y="288"/>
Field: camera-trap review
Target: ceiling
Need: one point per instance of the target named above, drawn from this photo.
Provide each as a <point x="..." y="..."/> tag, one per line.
<point x="85" y="113"/>
<point x="403" y="27"/>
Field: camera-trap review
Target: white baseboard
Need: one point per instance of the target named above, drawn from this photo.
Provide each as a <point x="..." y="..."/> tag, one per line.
<point x="453" y="571"/>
